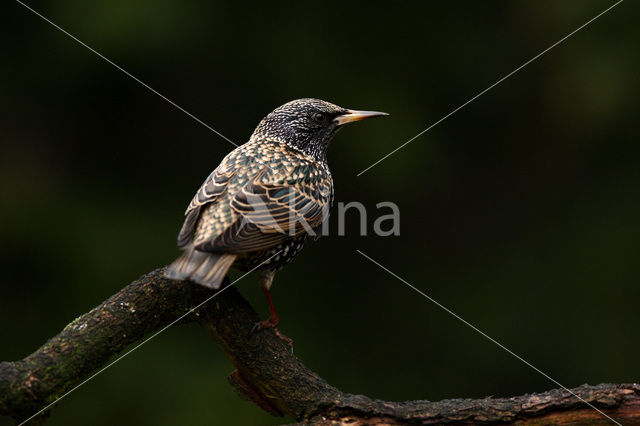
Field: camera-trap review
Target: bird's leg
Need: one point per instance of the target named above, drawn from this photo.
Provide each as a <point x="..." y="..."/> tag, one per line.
<point x="266" y="279"/>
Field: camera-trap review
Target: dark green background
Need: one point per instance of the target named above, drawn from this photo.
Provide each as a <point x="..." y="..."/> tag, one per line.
<point x="521" y="212"/>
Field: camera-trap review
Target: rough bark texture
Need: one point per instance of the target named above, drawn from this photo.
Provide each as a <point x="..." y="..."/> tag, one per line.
<point x="267" y="373"/>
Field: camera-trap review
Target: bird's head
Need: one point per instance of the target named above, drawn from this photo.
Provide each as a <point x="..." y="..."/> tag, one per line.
<point x="309" y="124"/>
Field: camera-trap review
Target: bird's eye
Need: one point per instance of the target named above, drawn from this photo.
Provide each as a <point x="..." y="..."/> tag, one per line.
<point x="319" y="117"/>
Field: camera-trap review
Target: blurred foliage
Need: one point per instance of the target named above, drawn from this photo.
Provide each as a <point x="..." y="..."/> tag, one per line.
<point x="521" y="212"/>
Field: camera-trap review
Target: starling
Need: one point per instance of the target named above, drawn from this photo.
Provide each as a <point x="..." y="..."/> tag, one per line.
<point x="265" y="200"/>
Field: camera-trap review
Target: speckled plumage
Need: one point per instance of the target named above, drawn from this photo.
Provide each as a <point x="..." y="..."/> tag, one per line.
<point x="252" y="175"/>
<point x="259" y="205"/>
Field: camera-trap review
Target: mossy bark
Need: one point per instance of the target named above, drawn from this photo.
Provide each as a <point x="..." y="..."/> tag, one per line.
<point x="267" y="374"/>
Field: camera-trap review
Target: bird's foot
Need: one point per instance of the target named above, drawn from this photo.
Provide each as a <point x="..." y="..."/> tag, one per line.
<point x="269" y="323"/>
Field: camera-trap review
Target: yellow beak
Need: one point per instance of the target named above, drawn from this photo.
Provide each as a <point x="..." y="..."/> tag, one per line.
<point x="354" y="115"/>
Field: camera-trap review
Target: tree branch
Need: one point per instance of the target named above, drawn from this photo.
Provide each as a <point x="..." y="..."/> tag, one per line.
<point x="267" y="373"/>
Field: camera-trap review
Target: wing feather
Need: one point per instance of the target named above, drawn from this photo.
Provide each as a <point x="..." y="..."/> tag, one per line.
<point x="210" y="190"/>
<point x="271" y="210"/>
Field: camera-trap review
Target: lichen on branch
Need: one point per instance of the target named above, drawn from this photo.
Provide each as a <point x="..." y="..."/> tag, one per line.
<point x="267" y="373"/>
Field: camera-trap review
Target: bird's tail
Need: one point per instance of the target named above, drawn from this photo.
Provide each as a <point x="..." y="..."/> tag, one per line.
<point x="207" y="269"/>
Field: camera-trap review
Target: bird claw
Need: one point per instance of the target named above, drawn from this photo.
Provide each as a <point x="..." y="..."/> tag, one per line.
<point x="261" y="325"/>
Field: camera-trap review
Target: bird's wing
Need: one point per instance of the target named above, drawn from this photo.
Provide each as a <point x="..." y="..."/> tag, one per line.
<point x="273" y="208"/>
<point x="210" y="190"/>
